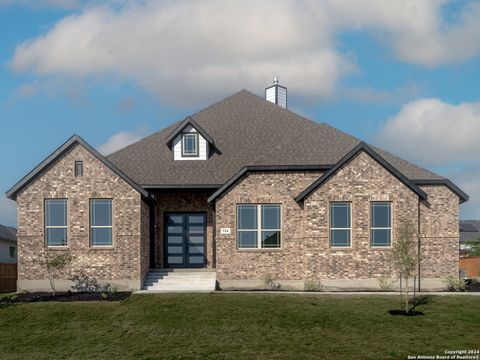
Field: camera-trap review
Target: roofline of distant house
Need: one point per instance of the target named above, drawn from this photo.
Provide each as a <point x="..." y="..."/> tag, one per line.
<point x="66" y="146"/>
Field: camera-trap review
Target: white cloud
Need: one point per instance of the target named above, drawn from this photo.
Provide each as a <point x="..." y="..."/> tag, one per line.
<point x="469" y="181"/>
<point x="120" y="140"/>
<point x="8" y="212"/>
<point x="190" y="51"/>
<point x="434" y="132"/>
<point x="442" y="135"/>
<point x="397" y="95"/>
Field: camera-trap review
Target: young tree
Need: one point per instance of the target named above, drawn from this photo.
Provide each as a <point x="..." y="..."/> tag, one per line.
<point x="405" y="257"/>
<point x="56" y="264"/>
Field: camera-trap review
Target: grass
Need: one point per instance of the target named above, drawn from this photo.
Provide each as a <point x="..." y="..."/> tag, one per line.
<point x="233" y="326"/>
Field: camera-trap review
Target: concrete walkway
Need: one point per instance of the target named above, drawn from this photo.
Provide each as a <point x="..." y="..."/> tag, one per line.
<point x="311" y="293"/>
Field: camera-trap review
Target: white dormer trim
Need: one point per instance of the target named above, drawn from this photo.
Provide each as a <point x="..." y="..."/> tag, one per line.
<point x="203" y="146"/>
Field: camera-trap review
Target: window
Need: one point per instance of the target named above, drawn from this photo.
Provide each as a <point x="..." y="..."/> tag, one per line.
<point x="340" y="224"/>
<point x="56" y="222"/>
<point x="12" y="252"/>
<point x="78" y="168"/>
<point x="381" y="226"/>
<point x="258" y="226"/>
<point x="190" y="144"/>
<point x="101" y="222"/>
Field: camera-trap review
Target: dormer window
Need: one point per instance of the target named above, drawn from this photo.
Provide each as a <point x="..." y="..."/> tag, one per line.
<point x="189" y="141"/>
<point x="190" y="144"/>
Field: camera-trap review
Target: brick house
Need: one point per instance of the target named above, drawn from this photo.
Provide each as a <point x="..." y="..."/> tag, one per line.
<point x="243" y="188"/>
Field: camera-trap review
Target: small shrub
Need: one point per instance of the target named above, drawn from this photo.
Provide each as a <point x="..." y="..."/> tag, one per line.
<point x="56" y="265"/>
<point x="84" y="283"/>
<point x="270" y="283"/>
<point x="312" y="285"/>
<point x="455" y="284"/>
<point x="385" y="283"/>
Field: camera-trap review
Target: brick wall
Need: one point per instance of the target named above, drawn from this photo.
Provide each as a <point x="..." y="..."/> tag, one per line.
<point x="305" y="248"/>
<point x="122" y="261"/>
<point x="439" y="232"/>
<point x="271" y="187"/>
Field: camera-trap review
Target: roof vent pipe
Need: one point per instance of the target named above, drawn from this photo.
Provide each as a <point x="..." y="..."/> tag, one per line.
<point x="276" y="94"/>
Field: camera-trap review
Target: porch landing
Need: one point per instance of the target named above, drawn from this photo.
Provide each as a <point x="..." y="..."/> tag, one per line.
<point x="180" y="280"/>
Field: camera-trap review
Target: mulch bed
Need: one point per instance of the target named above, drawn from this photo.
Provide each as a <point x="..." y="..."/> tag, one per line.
<point x="65" y="297"/>
<point x="473" y="286"/>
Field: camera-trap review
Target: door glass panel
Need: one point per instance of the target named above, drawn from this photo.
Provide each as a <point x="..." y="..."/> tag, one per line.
<point x="175" y="240"/>
<point x="195" y="249"/>
<point x="175" y="249"/>
<point x="174" y="219"/>
<point x="175" y="229"/>
<point x="195" y="259"/>
<point x="196" y="239"/>
<point x="175" y="260"/>
<point x="195" y="219"/>
<point x="195" y="229"/>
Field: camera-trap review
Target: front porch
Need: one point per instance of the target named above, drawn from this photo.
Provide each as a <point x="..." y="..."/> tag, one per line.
<point x="182" y="235"/>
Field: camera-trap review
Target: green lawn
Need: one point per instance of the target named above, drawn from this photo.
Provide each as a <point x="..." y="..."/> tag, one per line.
<point x="232" y="326"/>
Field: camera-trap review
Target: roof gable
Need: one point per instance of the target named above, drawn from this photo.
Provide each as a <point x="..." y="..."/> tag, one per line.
<point x="47" y="163"/>
<point x="188" y="121"/>
<point x="350" y="156"/>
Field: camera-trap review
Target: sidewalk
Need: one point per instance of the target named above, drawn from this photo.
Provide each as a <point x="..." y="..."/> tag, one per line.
<point x="312" y="293"/>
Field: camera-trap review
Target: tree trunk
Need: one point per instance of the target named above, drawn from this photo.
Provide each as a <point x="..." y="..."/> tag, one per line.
<point x="406" y="294"/>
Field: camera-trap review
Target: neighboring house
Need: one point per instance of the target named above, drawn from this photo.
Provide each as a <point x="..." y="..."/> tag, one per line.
<point x="244" y="187"/>
<point x="8" y="245"/>
<point x="469" y="231"/>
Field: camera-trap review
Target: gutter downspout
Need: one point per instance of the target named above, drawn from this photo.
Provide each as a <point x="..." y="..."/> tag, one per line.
<point x="419" y="244"/>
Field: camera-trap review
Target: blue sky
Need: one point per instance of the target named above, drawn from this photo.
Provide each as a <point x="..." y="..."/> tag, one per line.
<point x="118" y="70"/>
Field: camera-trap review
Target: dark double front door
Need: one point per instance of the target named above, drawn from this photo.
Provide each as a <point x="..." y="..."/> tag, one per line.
<point x="185" y="235"/>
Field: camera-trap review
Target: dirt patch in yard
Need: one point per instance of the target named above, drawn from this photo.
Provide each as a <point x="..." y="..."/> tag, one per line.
<point x="64" y="297"/>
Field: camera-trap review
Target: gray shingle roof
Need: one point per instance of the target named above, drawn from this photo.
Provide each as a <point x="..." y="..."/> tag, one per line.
<point x="8" y="233"/>
<point x="247" y="130"/>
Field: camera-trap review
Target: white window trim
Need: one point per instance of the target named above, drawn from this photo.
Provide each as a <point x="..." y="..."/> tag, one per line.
<point x="55" y="227"/>
<point x="183" y="138"/>
<point x="332" y="228"/>
<point x="259" y="228"/>
<point x="381" y="228"/>
<point x="100" y="226"/>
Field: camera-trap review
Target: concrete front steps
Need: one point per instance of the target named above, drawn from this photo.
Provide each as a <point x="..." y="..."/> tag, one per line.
<point x="180" y="280"/>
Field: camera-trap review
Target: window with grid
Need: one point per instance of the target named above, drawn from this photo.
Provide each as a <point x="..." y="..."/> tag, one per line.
<point x="190" y="144"/>
<point x="258" y="226"/>
<point x="340" y="224"/>
<point x="78" y="168"/>
<point x="101" y="222"/>
<point x="56" y="227"/>
<point x="381" y="224"/>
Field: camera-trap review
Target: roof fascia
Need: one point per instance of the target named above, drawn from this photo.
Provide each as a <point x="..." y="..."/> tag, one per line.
<point x="188" y="121"/>
<point x="362" y="146"/>
<point x="464" y="197"/>
<point x="45" y="165"/>
<point x="264" y="168"/>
